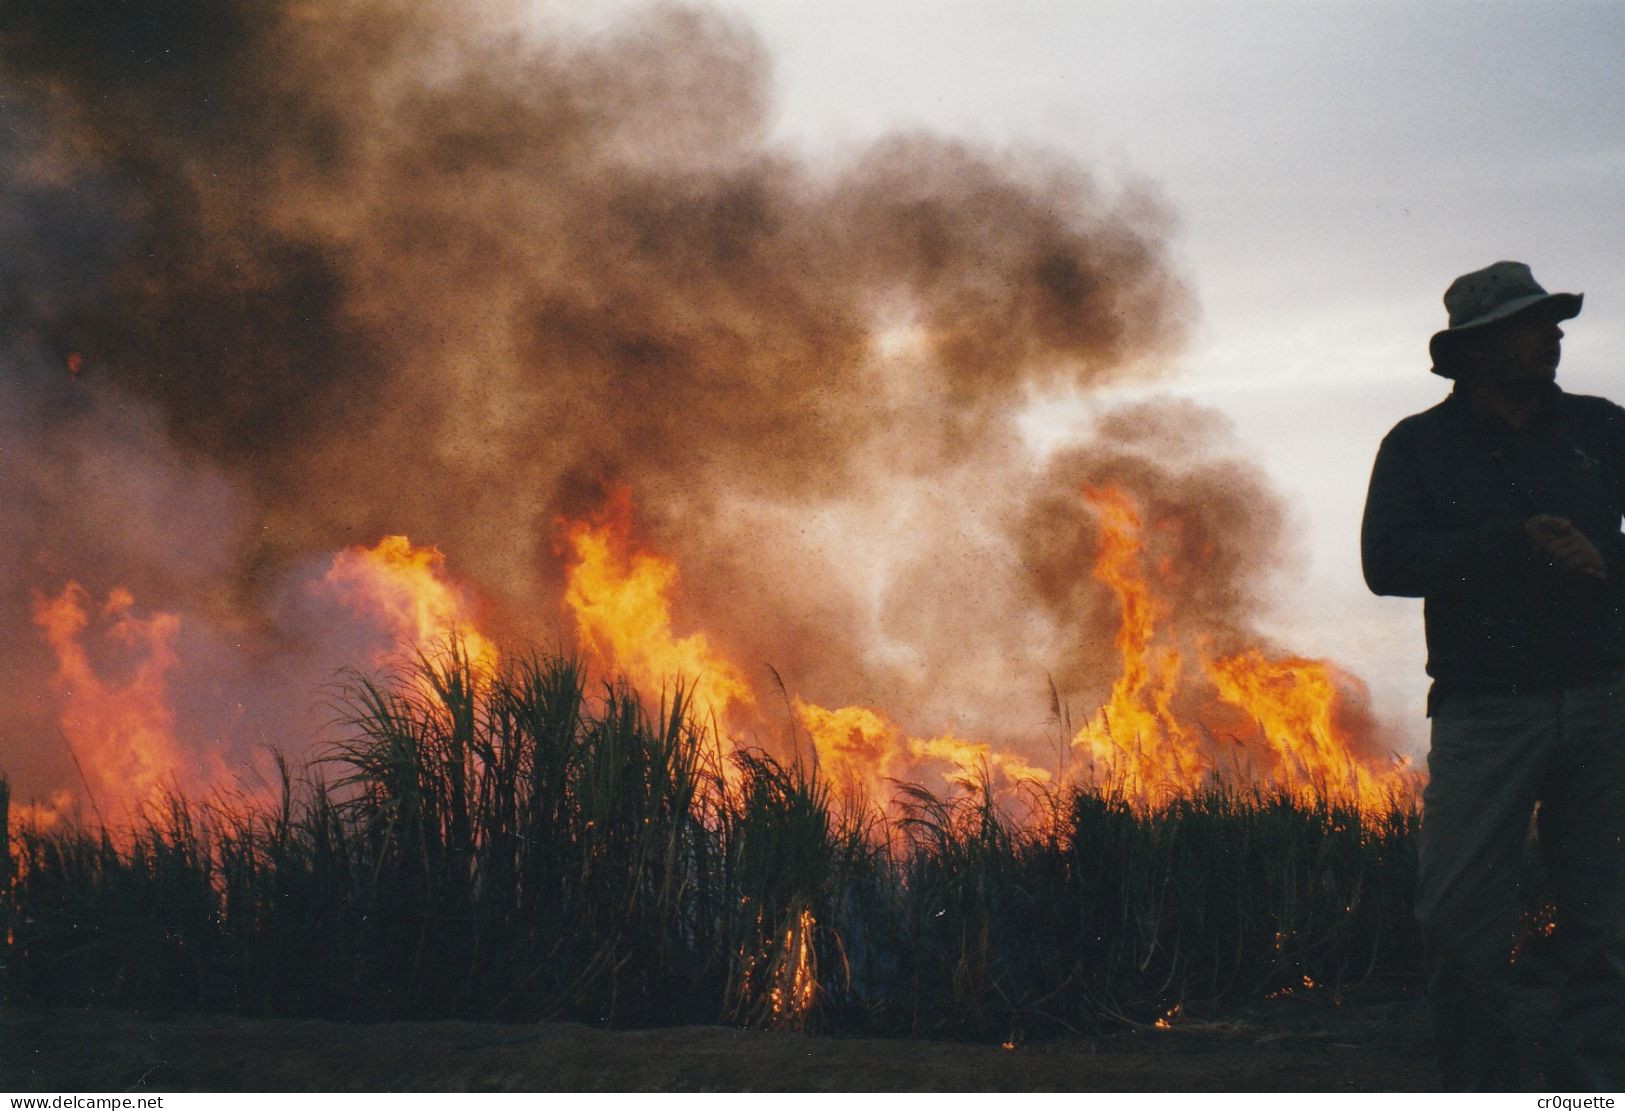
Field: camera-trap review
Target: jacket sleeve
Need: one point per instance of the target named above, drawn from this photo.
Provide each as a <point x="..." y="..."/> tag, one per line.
<point x="1612" y="545"/>
<point x="1405" y="552"/>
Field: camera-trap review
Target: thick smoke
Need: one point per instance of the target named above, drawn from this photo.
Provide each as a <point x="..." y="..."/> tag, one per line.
<point x="331" y="272"/>
<point x="1213" y="531"/>
<point x="1215" y="541"/>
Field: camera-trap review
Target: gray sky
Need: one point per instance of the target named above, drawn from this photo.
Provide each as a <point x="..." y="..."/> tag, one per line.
<point x="1332" y="165"/>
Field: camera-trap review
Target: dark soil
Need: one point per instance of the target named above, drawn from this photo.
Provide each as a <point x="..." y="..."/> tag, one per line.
<point x="1297" y="1043"/>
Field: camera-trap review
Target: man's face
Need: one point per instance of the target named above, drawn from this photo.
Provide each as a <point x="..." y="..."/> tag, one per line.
<point x="1521" y="353"/>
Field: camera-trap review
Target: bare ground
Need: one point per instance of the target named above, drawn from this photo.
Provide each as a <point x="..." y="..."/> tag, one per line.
<point x="1378" y="1043"/>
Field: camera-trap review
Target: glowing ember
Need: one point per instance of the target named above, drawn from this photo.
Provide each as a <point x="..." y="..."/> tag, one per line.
<point x="407" y="589"/>
<point x="778" y="982"/>
<point x="1139" y="742"/>
<point x="623" y="618"/>
<point x="121" y="735"/>
<point x="792" y="975"/>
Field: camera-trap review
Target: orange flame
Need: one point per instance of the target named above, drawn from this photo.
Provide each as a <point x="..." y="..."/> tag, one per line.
<point x="1138" y="740"/>
<point x="619" y="598"/>
<point x="43" y="816"/>
<point x="792" y="974"/>
<point x="406" y="587"/>
<point x="866" y="755"/>
<point x="1136" y="733"/>
<point x="778" y="984"/>
<point x="623" y="618"/>
<point x="1294" y="703"/>
<point x="121" y="735"/>
<point x="860" y="751"/>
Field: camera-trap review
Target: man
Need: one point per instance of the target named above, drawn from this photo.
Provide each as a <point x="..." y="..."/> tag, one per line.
<point x="1501" y="507"/>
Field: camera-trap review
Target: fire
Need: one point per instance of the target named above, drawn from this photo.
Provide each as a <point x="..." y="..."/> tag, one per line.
<point x="1294" y="703"/>
<point x="1152" y="739"/>
<point x="407" y="589"/>
<point x="619" y="598"/>
<point x="1136" y="734"/>
<point x="860" y="751"/>
<point x="120" y="735"/>
<point x="866" y="755"/>
<point x="42" y="816"/>
<point x="793" y="975"/>
<point x="777" y="984"/>
<point x="1140" y="742"/>
<point x="1180" y="716"/>
<point x="623" y="618"/>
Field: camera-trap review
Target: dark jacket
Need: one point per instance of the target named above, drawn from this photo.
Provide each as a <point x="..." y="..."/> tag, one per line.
<point x="1444" y="521"/>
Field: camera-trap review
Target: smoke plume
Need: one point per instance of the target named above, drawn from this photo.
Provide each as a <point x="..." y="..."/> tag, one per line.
<point x="329" y="272"/>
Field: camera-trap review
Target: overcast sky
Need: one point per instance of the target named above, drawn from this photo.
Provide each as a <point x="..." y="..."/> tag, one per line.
<point x="1332" y="165"/>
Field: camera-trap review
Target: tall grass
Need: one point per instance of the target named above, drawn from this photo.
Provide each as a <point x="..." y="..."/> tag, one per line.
<point x="523" y="846"/>
<point x="5" y="878"/>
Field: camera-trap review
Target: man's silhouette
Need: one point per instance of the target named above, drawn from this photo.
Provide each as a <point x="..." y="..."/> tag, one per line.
<point x="1501" y="507"/>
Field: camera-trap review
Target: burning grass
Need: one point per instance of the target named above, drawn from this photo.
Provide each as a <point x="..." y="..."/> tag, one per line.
<point x="511" y="844"/>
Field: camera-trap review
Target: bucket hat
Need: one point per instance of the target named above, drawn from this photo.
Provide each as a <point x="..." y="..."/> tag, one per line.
<point x="1490" y="295"/>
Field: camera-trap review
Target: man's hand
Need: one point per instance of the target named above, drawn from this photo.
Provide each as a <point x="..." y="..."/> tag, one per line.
<point x="1564" y="546"/>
